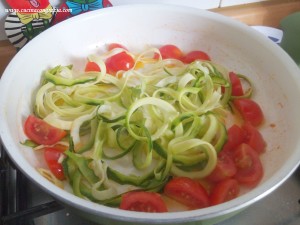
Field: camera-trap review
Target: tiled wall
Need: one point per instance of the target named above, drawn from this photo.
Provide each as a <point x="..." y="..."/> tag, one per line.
<point x="203" y="4"/>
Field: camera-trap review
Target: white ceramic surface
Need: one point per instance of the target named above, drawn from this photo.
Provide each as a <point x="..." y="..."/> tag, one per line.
<point x="238" y="47"/>
<point x="201" y="4"/>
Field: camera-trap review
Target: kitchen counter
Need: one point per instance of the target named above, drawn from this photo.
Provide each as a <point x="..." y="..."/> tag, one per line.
<point x="267" y="13"/>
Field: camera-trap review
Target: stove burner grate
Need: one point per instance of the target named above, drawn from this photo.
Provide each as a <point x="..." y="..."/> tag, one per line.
<point x="14" y="203"/>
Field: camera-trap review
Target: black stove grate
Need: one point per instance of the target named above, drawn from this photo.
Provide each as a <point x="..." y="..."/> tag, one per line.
<point x="15" y="208"/>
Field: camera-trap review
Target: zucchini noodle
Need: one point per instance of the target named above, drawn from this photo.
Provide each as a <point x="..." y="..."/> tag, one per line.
<point x="135" y="130"/>
<point x="49" y="176"/>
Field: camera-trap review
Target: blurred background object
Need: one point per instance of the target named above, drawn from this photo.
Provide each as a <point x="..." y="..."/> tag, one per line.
<point x="291" y="38"/>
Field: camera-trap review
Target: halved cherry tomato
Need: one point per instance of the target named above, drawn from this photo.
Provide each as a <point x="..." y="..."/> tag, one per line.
<point x="188" y="192"/>
<point x="224" y="169"/>
<point x="236" y="85"/>
<point x="112" y="46"/>
<point x="51" y="155"/>
<point x="120" y="61"/>
<point x="254" y="138"/>
<point x="142" y="201"/>
<point x="235" y="137"/>
<point x="170" y="52"/>
<point x="224" y="191"/>
<point x="41" y="132"/>
<point x="195" y="55"/>
<point x="250" y="110"/>
<point x="249" y="167"/>
<point x="92" y="67"/>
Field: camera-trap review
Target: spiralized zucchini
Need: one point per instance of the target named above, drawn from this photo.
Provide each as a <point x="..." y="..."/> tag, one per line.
<point x="135" y="130"/>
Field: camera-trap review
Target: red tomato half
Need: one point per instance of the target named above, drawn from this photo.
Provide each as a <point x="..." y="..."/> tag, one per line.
<point x="170" y="52"/>
<point x="250" y="110"/>
<point x="249" y="167"/>
<point x="224" y="169"/>
<point x="120" y="61"/>
<point x="236" y="85"/>
<point x="92" y="67"/>
<point x="41" y="132"/>
<point x="142" y="201"/>
<point x="188" y="192"/>
<point x="115" y="45"/>
<point x="254" y="138"/>
<point x="224" y="191"/>
<point x="195" y="55"/>
<point x="235" y="137"/>
<point x="51" y="156"/>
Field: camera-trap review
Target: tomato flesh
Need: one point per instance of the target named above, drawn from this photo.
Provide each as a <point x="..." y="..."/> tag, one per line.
<point x="52" y="156"/>
<point x="236" y="85"/>
<point x="188" y="192"/>
<point x="142" y="201"/>
<point x="224" y="191"/>
<point x="249" y="167"/>
<point x="235" y="137"/>
<point x="120" y="61"/>
<point x="41" y="132"/>
<point x="250" y="111"/>
<point x="224" y="169"/>
<point x="254" y="138"/>
<point x="92" y="67"/>
<point x="195" y="55"/>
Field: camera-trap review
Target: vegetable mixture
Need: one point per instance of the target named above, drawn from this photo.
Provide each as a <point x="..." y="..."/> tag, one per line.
<point x="134" y="130"/>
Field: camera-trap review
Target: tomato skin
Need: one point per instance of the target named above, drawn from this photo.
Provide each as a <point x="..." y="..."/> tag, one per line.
<point x="41" y="132"/>
<point x="142" y="201"/>
<point x="112" y="46"/>
<point x="92" y="67"/>
<point x="170" y="52"/>
<point x="195" y="55"/>
<point x="235" y="137"/>
<point x="51" y="155"/>
<point x="236" y="85"/>
<point x="249" y="166"/>
<point x="224" y="169"/>
<point x="224" y="191"/>
<point x="188" y="192"/>
<point x="120" y="61"/>
<point x="250" y="111"/>
<point x="254" y="138"/>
